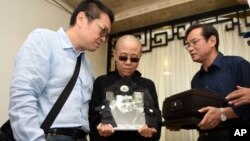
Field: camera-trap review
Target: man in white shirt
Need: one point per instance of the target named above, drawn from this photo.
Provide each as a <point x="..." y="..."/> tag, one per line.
<point x="43" y="67"/>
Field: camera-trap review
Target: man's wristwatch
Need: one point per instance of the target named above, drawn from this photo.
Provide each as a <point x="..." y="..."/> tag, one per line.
<point x="223" y="116"/>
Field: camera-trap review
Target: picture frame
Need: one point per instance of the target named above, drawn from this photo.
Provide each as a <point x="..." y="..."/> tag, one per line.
<point x="127" y="110"/>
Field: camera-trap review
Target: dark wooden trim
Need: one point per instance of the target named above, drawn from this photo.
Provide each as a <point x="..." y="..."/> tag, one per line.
<point x="150" y="38"/>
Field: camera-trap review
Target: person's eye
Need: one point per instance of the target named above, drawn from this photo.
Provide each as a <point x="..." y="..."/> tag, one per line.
<point x="194" y="42"/>
<point x="123" y="58"/>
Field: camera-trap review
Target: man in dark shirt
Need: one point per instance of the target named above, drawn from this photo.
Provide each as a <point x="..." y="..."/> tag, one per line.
<point x="219" y="74"/>
<point x="242" y="95"/>
<point x="127" y="55"/>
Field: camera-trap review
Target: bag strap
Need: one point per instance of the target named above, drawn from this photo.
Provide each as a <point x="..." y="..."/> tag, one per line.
<point x="62" y="98"/>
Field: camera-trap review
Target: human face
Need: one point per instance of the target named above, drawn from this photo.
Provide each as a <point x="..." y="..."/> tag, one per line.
<point x="92" y="34"/>
<point x="193" y="42"/>
<point x="125" y="103"/>
<point x="198" y="47"/>
<point x="127" y="57"/>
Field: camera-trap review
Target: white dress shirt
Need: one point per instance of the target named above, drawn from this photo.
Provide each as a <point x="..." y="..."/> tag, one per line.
<point x="44" y="65"/>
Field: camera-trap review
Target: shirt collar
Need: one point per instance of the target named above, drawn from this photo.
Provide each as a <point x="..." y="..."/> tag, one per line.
<point x="135" y="74"/>
<point x="66" y="43"/>
<point x="65" y="39"/>
<point x="217" y="62"/>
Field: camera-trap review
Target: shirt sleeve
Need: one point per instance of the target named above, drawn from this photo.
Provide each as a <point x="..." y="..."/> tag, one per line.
<point x="29" y="79"/>
<point x="243" y="80"/>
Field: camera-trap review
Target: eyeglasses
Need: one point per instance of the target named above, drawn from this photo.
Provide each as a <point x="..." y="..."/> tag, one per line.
<point x="193" y="42"/>
<point x="132" y="59"/>
<point x="104" y="31"/>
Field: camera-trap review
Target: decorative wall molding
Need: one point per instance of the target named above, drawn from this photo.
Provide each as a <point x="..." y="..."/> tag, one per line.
<point x="159" y="35"/>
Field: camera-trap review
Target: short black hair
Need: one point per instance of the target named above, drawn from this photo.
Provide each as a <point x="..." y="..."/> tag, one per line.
<point x="207" y="31"/>
<point x="92" y="9"/>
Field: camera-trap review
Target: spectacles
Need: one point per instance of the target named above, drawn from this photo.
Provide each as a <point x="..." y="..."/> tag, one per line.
<point x="104" y="31"/>
<point x="193" y="42"/>
<point x="132" y="59"/>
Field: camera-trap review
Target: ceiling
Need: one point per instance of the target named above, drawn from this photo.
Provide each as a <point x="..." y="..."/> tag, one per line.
<point x="131" y="14"/>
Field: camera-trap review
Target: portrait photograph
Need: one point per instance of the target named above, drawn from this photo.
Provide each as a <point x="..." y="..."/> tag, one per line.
<point x="127" y="110"/>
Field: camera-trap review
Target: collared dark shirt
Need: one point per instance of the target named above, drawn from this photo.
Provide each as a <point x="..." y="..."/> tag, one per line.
<point x="222" y="77"/>
<point x="100" y="85"/>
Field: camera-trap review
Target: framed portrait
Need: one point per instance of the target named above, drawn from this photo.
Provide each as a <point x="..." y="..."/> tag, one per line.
<point x="127" y="110"/>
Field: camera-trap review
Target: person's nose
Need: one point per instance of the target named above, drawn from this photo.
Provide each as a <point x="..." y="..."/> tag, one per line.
<point x="128" y="61"/>
<point x="190" y="48"/>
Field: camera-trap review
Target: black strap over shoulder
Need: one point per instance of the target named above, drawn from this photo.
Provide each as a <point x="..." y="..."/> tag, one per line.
<point x="6" y="133"/>
<point x="62" y="98"/>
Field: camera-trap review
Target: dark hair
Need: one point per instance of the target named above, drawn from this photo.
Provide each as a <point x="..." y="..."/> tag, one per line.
<point x="207" y="31"/>
<point x="92" y="10"/>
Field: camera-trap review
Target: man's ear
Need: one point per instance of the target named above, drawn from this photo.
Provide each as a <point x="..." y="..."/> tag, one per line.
<point x="212" y="41"/>
<point x="81" y="17"/>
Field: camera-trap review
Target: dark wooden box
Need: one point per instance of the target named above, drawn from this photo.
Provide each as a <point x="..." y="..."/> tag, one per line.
<point x="182" y="109"/>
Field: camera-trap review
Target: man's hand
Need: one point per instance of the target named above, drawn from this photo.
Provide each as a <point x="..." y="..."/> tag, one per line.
<point x="241" y="96"/>
<point x="211" y="118"/>
<point x="105" y="130"/>
<point x="145" y="131"/>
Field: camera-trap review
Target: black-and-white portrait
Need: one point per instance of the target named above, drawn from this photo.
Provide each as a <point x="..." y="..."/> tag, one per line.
<point x="127" y="110"/>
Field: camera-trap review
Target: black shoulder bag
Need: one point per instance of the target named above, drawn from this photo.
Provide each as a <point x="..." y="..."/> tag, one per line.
<point x="6" y="133"/>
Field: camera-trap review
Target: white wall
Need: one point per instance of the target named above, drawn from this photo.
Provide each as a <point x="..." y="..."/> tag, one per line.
<point x="17" y="19"/>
